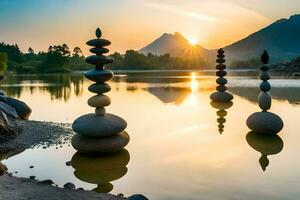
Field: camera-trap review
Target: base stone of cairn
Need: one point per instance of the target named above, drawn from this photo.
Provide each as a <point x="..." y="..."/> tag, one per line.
<point x="99" y="132"/>
<point x="265" y="122"/>
<point x="221" y="95"/>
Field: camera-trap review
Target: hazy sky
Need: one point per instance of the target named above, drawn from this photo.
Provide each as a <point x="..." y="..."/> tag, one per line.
<point x="131" y="24"/>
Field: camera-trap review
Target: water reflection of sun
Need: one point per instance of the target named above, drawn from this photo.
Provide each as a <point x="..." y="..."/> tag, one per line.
<point x="194" y="85"/>
<point x="192" y="99"/>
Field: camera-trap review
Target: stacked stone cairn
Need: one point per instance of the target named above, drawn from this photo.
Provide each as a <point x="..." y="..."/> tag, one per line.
<point x="99" y="132"/>
<point x="221" y="95"/>
<point x="221" y="113"/>
<point x="265" y="122"/>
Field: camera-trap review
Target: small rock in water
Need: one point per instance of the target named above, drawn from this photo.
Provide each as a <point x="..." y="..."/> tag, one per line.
<point x="137" y="197"/>
<point x="32" y="177"/>
<point x="31" y="167"/>
<point x="80" y="189"/>
<point x="68" y="163"/>
<point x="47" y="182"/>
<point x="69" y="186"/>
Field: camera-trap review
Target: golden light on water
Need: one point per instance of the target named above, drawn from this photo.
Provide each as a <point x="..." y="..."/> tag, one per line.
<point x="194" y="85"/>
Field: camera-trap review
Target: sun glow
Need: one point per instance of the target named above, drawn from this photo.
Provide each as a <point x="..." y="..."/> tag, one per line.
<point x="193" y="41"/>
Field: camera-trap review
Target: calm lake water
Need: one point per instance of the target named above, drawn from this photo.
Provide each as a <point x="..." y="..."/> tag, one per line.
<point x="176" y="149"/>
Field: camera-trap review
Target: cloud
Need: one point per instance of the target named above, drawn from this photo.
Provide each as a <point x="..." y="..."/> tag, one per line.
<point x="180" y="11"/>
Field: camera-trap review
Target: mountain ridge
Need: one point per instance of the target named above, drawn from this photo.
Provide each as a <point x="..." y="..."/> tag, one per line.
<point x="281" y="39"/>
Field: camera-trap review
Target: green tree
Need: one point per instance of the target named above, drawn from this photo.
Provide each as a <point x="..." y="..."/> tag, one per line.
<point x="56" y="59"/>
<point x="3" y="62"/>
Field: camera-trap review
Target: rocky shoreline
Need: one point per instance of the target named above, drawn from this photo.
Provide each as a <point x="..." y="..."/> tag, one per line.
<point x="32" y="134"/>
<point x="12" y="188"/>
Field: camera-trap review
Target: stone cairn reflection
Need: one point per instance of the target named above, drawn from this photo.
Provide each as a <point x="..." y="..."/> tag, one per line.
<point x="266" y="145"/>
<point x="265" y="122"/>
<point x="221" y="113"/>
<point x="99" y="132"/>
<point x="221" y="95"/>
<point x="101" y="170"/>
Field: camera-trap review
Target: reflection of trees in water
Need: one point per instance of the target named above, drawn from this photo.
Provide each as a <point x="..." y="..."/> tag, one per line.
<point x="291" y="94"/>
<point x="59" y="86"/>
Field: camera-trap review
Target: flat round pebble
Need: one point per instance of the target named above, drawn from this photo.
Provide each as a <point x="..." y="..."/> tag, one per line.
<point x="221" y="81"/>
<point x="98" y="60"/>
<point x="99" y="88"/>
<point x="100" y="100"/>
<point x="95" y="145"/>
<point x="221" y="96"/>
<point x="265" y="123"/>
<point x="137" y="197"/>
<point x="99" y="75"/>
<point x="265" y="86"/>
<point x="98" y="126"/>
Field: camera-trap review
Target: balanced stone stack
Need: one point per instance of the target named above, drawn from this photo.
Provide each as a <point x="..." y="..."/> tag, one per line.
<point x="265" y="122"/>
<point x="222" y="113"/>
<point x="99" y="132"/>
<point x="221" y="94"/>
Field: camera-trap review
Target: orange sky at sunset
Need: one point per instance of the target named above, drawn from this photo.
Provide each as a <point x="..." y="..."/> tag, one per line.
<point x="132" y="24"/>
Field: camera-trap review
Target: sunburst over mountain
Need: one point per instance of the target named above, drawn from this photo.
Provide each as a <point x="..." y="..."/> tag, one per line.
<point x="178" y="46"/>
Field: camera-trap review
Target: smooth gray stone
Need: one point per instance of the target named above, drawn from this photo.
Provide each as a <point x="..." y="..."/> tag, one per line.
<point x="264" y="76"/>
<point x="99" y="75"/>
<point x="221" y="67"/>
<point x="98" y="60"/>
<point x="99" y="50"/>
<point x="99" y="126"/>
<point x="220" y="60"/>
<point x="221" y="96"/>
<point x="7" y="109"/>
<point x="99" y="100"/>
<point x="265" y="123"/>
<point x="22" y="108"/>
<point x="265" y="67"/>
<point x="69" y="186"/>
<point x="221" y="73"/>
<point x="92" y="145"/>
<point x="137" y="197"/>
<point x="221" y="88"/>
<point x="221" y="55"/>
<point x="221" y="81"/>
<point x="265" y="86"/>
<point x="221" y="105"/>
<point x="98" y="42"/>
<point x="99" y="88"/>
<point x="100" y="111"/>
<point x="265" y="101"/>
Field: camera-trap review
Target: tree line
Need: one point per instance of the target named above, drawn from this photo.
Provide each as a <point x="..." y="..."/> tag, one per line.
<point x="59" y="58"/>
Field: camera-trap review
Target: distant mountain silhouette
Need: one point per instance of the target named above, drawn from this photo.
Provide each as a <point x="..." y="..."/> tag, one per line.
<point x="177" y="46"/>
<point x="281" y="39"/>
